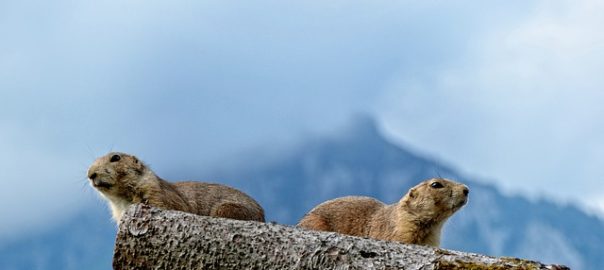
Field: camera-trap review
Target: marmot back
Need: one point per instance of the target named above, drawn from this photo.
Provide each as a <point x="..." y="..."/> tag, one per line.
<point x="203" y="197"/>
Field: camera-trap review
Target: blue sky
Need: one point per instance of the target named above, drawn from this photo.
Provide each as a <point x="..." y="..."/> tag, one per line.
<point x="506" y="90"/>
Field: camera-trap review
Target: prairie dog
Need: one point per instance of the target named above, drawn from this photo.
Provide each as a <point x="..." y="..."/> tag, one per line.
<point x="416" y="219"/>
<point x="123" y="180"/>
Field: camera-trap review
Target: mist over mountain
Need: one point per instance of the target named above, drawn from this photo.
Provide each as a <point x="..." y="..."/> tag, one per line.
<point x="360" y="161"/>
<point x="357" y="161"/>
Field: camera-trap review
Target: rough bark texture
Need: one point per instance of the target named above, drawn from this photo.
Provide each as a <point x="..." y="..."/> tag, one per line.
<point x="150" y="238"/>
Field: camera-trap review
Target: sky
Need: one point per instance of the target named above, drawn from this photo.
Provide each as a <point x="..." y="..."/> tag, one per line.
<point x="506" y="91"/>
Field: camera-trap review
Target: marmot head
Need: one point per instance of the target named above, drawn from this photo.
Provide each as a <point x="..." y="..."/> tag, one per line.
<point x="435" y="200"/>
<point x="116" y="174"/>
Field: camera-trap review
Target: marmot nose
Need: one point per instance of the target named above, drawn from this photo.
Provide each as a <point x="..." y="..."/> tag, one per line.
<point x="466" y="191"/>
<point x="92" y="176"/>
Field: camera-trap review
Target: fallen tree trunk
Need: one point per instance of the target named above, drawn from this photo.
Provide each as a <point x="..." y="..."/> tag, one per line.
<point x="150" y="238"/>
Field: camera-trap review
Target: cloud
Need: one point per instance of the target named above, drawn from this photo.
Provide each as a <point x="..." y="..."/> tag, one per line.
<point x="187" y="83"/>
<point x="523" y="106"/>
<point x="180" y="84"/>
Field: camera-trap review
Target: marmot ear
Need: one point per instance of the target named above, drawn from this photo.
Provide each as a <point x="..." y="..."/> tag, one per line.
<point x="135" y="160"/>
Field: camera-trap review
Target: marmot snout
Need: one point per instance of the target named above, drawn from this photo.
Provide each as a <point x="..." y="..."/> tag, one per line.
<point x="416" y="219"/>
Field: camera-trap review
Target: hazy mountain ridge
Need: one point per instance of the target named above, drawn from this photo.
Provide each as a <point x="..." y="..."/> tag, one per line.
<point x="357" y="162"/>
<point x="361" y="162"/>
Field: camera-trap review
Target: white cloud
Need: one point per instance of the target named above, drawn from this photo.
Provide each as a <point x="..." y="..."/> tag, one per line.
<point x="524" y="105"/>
<point x="183" y="84"/>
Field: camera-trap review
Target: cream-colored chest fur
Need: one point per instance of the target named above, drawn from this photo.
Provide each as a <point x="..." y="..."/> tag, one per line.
<point x="118" y="206"/>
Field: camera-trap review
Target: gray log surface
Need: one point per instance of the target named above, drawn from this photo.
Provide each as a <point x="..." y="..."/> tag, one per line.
<point x="151" y="238"/>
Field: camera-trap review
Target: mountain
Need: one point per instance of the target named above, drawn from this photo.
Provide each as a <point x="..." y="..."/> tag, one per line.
<point x="358" y="161"/>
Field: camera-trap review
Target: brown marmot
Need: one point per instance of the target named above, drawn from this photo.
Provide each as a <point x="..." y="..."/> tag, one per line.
<point x="416" y="219"/>
<point x="123" y="180"/>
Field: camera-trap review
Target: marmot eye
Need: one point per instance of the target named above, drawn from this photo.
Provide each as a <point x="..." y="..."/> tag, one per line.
<point x="437" y="185"/>
<point x="115" y="158"/>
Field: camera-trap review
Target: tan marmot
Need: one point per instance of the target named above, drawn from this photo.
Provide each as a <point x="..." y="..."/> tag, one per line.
<point x="416" y="219"/>
<point x="123" y="180"/>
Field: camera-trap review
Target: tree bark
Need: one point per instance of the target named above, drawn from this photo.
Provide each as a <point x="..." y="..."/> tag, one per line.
<point x="150" y="238"/>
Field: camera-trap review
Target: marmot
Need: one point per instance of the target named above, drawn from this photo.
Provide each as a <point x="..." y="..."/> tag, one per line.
<point x="416" y="219"/>
<point x="123" y="180"/>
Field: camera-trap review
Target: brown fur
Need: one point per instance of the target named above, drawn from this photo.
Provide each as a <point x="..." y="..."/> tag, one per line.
<point x="416" y="219"/>
<point x="127" y="180"/>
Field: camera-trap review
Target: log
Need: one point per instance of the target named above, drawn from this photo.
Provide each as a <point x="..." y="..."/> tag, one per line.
<point x="151" y="238"/>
